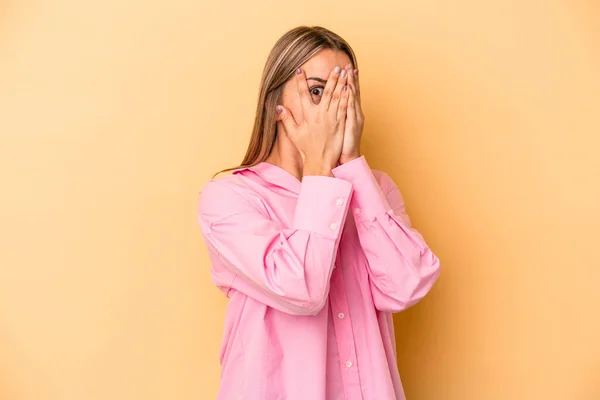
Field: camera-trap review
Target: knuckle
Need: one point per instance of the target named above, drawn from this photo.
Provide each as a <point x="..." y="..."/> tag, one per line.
<point x="335" y="97"/>
<point x="327" y="92"/>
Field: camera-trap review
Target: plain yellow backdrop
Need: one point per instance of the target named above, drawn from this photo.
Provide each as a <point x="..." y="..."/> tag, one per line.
<point x="113" y="114"/>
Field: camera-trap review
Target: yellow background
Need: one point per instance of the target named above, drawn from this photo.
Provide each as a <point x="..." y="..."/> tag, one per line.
<point x="114" y="113"/>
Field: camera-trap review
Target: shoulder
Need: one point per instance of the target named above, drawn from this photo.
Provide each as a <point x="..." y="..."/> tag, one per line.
<point x="233" y="183"/>
<point x="228" y="195"/>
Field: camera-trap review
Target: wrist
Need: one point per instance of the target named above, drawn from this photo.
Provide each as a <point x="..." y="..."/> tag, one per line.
<point x="317" y="172"/>
<point x="346" y="158"/>
<point x="311" y="168"/>
<point x="316" y="169"/>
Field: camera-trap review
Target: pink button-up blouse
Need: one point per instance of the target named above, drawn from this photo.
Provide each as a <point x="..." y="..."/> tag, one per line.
<point x="314" y="271"/>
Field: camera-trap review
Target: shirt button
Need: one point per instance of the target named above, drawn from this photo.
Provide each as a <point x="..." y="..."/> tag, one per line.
<point x="341" y="315"/>
<point x="357" y="211"/>
<point x="348" y="364"/>
<point x="333" y="226"/>
<point x="339" y="202"/>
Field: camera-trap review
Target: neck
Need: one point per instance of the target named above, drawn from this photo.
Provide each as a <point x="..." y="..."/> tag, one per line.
<point x="285" y="155"/>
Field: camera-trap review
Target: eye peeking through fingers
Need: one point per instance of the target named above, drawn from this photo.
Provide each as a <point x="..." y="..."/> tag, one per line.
<point x="316" y="92"/>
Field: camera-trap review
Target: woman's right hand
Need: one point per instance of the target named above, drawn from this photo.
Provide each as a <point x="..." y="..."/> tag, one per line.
<point x="318" y="132"/>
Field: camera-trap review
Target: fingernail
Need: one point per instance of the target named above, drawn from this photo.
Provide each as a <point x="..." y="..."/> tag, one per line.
<point x="345" y="88"/>
<point x="355" y="72"/>
<point x="343" y="75"/>
<point x="336" y="70"/>
<point x="279" y="109"/>
<point x="298" y="71"/>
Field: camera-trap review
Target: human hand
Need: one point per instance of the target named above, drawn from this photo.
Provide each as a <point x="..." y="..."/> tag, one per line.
<point x="318" y="132"/>
<point x="355" y="119"/>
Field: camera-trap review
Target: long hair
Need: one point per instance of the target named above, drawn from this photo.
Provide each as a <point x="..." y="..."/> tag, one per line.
<point x="290" y="52"/>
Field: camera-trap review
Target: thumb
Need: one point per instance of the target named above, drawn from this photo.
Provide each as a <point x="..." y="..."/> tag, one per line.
<point x="285" y="116"/>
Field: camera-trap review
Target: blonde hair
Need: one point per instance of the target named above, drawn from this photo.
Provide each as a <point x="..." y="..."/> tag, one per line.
<point x="290" y="52"/>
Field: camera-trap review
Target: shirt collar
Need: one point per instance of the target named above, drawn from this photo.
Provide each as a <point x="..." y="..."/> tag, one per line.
<point x="274" y="175"/>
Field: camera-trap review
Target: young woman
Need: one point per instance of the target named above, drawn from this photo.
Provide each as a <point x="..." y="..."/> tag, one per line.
<point x="313" y="248"/>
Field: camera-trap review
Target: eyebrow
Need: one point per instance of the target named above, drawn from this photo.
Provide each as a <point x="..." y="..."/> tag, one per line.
<point x="323" y="81"/>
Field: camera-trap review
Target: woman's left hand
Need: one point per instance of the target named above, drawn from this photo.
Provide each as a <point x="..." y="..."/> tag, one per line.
<point x="355" y="120"/>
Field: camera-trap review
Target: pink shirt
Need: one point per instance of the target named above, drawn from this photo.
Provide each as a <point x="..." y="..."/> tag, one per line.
<point x="314" y="271"/>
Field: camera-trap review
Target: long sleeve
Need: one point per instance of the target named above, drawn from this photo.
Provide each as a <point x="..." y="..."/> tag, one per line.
<point x="287" y="269"/>
<point x="401" y="267"/>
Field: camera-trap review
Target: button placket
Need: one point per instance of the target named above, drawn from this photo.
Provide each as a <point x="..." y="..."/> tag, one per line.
<point x="344" y="334"/>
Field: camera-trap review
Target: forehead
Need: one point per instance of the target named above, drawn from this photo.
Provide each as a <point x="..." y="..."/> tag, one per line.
<point x="321" y="64"/>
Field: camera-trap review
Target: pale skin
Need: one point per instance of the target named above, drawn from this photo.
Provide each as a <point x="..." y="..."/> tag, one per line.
<point x="320" y="119"/>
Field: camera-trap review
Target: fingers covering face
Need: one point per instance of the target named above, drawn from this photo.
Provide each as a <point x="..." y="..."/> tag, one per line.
<point x="340" y="92"/>
<point x="303" y="91"/>
<point x="336" y="96"/>
<point x="332" y="82"/>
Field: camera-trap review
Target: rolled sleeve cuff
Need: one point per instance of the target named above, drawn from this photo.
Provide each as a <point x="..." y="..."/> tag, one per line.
<point x="368" y="201"/>
<point x="322" y="205"/>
